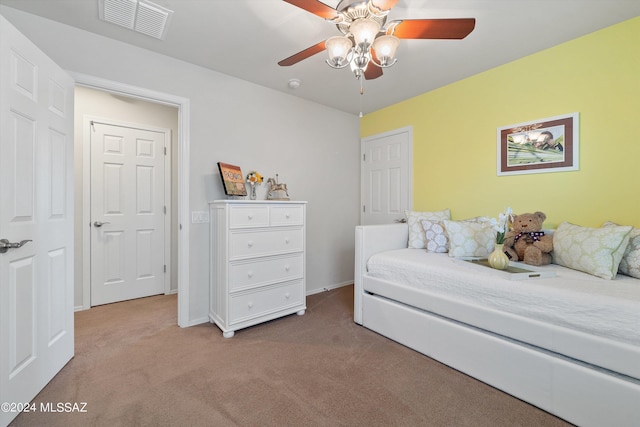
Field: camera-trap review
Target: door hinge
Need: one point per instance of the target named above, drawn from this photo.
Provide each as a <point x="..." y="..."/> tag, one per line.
<point x="165" y="210"/>
<point x="165" y="268"/>
<point x="364" y="157"/>
<point x="364" y="208"/>
<point x="165" y="151"/>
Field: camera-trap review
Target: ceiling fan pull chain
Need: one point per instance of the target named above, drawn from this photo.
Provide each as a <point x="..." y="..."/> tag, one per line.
<point x="361" y="95"/>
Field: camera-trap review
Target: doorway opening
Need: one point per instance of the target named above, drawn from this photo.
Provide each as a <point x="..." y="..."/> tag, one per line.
<point x="180" y="181"/>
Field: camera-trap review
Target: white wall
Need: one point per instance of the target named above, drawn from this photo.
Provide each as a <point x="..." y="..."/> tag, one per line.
<point x="240" y="123"/>
<point x="96" y="103"/>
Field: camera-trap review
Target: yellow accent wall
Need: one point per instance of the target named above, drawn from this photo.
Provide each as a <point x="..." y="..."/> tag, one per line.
<point x="454" y="130"/>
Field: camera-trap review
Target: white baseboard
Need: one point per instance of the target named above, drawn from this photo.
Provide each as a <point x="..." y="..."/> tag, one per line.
<point x="199" y="321"/>
<point x="329" y="288"/>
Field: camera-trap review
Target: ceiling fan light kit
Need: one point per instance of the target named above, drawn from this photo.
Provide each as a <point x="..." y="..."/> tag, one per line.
<point x="368" y="42"/>
<point x="365" y="34"/>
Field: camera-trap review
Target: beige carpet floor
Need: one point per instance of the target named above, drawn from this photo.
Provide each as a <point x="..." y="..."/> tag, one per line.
<point x="135" y="367"/>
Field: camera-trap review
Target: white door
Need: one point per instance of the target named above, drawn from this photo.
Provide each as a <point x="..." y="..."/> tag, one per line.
<point x="127" y="213"/>
<point x="36" y="206"/>
<point x="386" y="177"/>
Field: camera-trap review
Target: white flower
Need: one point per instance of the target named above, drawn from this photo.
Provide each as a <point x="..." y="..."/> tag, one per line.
<point x="502" y="225"/>
<point x="495" y="225"/>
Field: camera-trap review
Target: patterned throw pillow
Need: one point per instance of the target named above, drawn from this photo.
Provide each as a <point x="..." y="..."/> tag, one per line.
<point x="435" y="236"/>
<point x="596" y="251"/>
<point x="630" y="263"/>
<point x="416" y="233"/>
<point x="470" y="238"/>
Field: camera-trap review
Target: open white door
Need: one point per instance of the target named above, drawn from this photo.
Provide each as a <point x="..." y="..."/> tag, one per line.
<point x="386" y="177"/>
<point x="36" y="210"/>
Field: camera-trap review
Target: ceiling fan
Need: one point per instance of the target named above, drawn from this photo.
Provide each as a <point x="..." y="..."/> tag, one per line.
<point x="368" y="42"/>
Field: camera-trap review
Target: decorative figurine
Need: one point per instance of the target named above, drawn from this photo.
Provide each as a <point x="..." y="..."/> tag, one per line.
<point x="277" y="191"/>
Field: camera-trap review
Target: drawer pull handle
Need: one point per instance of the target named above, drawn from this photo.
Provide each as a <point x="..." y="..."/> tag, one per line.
<point x="286" y="268"/>
<point x="287" y="215"/>
<point x="287" y="295"/>
<point x="250" y="305"/>
<point x="250" y="274"/>
<point x="250" y="216"/>
<point x="286" y="240"/>
<point x="250" y="243"/>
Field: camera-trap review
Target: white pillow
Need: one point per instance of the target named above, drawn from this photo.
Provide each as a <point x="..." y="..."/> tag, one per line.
<point x="470" y="239"/>
<point x="416" y="232"/>
<point x="630" y="263"/>
<point x="596" y="251"/>
<point x="436" y="239"/>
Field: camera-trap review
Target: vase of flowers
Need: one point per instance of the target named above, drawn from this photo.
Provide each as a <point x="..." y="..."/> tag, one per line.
<point x="498" y="259"/>
<point x="253" y="179"/>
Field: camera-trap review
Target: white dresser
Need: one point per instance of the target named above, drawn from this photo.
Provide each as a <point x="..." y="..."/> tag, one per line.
<point x="257" y="262"/>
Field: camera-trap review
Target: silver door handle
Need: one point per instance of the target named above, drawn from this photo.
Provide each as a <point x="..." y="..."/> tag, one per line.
<point x="5" y="245"/>
<point x="100" y="224"/>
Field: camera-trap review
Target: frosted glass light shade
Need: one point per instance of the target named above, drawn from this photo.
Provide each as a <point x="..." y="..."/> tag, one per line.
<point x="364" y="31"/>
<point x="385" y="48"/>
<point x="338" y="48"/>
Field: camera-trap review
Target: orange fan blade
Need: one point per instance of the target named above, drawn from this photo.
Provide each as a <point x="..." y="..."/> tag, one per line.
<point x="316" y="7"/>
<point x="372" y="71"/>
<point x="384" y="5"/>
<point x="434" y="28"/>
<point x="310" y="51"/>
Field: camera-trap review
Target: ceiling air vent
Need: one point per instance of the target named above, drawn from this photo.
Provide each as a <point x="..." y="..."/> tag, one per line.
<point x="138" y="15"/>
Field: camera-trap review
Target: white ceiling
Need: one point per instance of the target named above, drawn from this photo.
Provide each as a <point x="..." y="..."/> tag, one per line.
<point x="246" y="39"/>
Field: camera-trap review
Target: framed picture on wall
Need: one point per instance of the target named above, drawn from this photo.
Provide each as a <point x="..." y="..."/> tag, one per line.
<point x="539" y="146"/>
<point x="232" y="180"/>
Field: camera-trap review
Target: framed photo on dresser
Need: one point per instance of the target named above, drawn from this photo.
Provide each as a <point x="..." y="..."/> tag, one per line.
<point x="232" y="179"/>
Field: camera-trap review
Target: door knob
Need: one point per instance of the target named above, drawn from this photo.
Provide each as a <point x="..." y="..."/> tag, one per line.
<point x="100" y="224"/>
<point x="5" y="245"/>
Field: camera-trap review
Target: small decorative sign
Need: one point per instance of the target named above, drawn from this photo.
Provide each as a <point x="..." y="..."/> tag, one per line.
<point x="544" y="145"/>
<point x="232" y="180"/>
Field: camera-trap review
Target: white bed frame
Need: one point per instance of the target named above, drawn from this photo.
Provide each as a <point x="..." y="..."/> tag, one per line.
<point x="576" y="391"/>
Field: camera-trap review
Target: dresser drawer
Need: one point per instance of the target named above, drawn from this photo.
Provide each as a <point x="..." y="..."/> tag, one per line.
<point x="287" y="215"/>
<point x="246" y="244"/>
<point x="248" y="216"/>
<point x="247" y="305"/>
<point x="245" y="275"/>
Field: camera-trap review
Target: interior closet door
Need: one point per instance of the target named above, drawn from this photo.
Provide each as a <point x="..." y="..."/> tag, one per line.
<point x="386" y="177"/>
<point x="127" y="212"/>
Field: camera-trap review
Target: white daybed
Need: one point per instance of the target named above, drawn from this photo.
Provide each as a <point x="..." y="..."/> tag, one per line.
<point x="569" y="345"/>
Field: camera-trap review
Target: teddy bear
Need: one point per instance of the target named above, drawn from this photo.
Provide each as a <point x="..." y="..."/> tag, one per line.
<point x="527" y="242"/>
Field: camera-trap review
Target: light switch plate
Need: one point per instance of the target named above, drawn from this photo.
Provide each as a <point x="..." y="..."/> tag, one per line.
<point x="199" y="217"/>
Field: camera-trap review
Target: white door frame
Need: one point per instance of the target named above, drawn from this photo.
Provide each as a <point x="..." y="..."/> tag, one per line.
<point x="183" y="161"/>
<point x="363" y="150"/>
<point x="86" y="190"/>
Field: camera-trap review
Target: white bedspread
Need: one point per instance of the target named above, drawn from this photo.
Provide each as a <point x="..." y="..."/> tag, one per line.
<point x="572" y="299"/>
